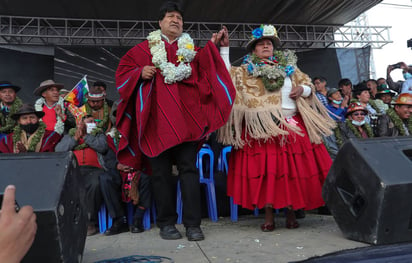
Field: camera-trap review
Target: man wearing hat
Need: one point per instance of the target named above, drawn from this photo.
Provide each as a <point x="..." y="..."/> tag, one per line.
<point x="354" y="126"/>
<point x="337" y="105"/>
<point x="397" y="121"/>
<point x="97" y="107"/>
<point x="385" y="94"/>
<point x="9" y="104"/>
<point x="56" y="116"/>
<point x="30" y="134"/>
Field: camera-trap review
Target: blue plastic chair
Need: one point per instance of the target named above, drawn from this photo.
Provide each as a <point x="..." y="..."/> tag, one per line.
<point x="208" y="181"/>
<point x="105" y="220"/>
<point x="224" y="167"/>
<point x="146" y="216"/>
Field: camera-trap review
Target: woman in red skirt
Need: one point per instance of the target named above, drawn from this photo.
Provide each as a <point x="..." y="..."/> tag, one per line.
<point x="276" y="127"/>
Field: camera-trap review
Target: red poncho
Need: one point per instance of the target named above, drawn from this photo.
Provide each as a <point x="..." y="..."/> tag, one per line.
<point x="48" y="143"/>
<point x="153" y="116"/>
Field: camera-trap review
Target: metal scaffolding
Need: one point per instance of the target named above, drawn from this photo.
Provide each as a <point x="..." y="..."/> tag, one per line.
<point x="91" y="32"/>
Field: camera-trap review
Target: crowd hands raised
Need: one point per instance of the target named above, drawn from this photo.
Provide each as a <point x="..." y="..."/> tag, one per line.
<point x="369" y="109"/>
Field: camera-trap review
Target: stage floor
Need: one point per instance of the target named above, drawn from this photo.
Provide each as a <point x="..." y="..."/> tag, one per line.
<point x="229" y="242"/>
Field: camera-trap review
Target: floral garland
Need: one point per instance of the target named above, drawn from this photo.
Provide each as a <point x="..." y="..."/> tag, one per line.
<point x="338" y="132"/>
<point x="185" y="55"/>
<point x="59" y="126"/>
<point x="36" y="136"/>
<point x="8" y="123"/>
<point x="115" y="134"/>
<point x="82" y="146"/>
<point x="338" y="136"/>
<point x="398" y="122"/>
<point x="102" y="124"/>
<point x="356" y="132"/>
<point x="273" y="70"/>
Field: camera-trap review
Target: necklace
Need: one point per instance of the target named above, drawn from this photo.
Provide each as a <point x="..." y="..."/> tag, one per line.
<point x="38" y="134"/>
<point x="356" y="131"/>
<point x="185" y="55"/>
<point x="104" y="122"/>
<point x="273" y="70"/>
<point x="7" y="123"/>
<point x="398" y="122"/>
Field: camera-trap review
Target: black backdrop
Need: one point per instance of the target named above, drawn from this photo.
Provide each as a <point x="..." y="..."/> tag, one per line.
<point x="68" y="65"/>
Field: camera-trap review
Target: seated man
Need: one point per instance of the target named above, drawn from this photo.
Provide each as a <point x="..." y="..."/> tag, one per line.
<point x="57" y="117"/>
<point x="397" y="121"/>
<point x="30" y="134"/>
<point x="97" y="107"/>
<point x="9" y="104"/>
<point x="355" y="125"/>
<point x="385" y="94"/>
<point x="337" y="105"/>
<point x="89" y="144"/>
<point x="136" y="182"/>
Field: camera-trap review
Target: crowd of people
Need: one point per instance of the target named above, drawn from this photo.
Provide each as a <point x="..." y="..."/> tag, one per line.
<point x="285" y="128"/>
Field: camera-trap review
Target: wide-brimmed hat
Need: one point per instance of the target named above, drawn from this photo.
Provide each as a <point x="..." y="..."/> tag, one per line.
<point x="355" y="106"/>
<point x="263" y="32"/>
<point x="27" y="109"/>
<point x="96" y="96"/>
<point x="384" y="89"/>
<point x="45" y="85"/>
<point x="403" y="99"/>
<point x="7" y="84"/>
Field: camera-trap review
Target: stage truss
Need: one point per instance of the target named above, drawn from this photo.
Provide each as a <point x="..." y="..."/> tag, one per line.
<point x="17" y="30"/>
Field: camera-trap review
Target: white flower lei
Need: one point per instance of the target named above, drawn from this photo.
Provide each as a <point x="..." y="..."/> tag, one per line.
<point x="59" y="126"/>
<point x="185" y="55"/>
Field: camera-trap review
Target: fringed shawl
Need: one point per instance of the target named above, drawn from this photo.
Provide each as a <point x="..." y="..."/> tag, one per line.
<point x="258" y="112"/>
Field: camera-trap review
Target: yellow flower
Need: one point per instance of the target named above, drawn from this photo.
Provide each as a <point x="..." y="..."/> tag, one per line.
<point x="180" y="58"/>
<point x="189" y="46"/>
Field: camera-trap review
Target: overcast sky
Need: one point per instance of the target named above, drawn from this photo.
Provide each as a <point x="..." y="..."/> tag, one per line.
<point x="398" y="14"/>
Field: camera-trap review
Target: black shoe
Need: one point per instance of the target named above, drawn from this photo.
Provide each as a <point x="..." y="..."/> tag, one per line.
<point x="169" y="232"/>
<point x="194" y="233"/>
<point x="137" y="226"/>
<point x="117" y="227"/>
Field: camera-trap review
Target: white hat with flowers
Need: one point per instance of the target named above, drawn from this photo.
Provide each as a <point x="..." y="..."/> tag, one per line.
<point x="263" y="32"/>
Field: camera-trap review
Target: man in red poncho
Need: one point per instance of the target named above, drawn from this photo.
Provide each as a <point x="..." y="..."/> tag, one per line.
<point x="172" y="96"/>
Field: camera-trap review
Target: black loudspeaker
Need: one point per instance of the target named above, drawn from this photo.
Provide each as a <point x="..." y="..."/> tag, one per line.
<point x="51" y="184"/>
<point x="369" y="190"/>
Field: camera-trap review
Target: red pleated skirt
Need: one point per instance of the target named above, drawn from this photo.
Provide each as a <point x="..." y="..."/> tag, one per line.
<point x="268" y="173"/>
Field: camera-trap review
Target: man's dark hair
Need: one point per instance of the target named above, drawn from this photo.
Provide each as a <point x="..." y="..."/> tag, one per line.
<point x="345" y="82"/>
<point x="373" y="80"/>
<point x="100" y="84"/>
<point x="169" y="6"/>
<point x="321" y="79"/>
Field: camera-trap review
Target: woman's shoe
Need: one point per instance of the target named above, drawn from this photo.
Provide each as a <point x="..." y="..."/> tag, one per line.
<point x="267" y="227"/>
<point x="291" y="220"/>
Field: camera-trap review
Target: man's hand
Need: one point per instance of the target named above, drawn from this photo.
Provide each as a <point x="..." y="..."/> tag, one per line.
<point x="20" y="148"/>
<point x="296" y="92"/>
<point x="80" y="131"/>
<point x="17" y="229"/>
<point x="148" y="72"/>
<point x="221" y="38"/>
<point x="345" y="102"/>
<point x="124" y="168"/>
